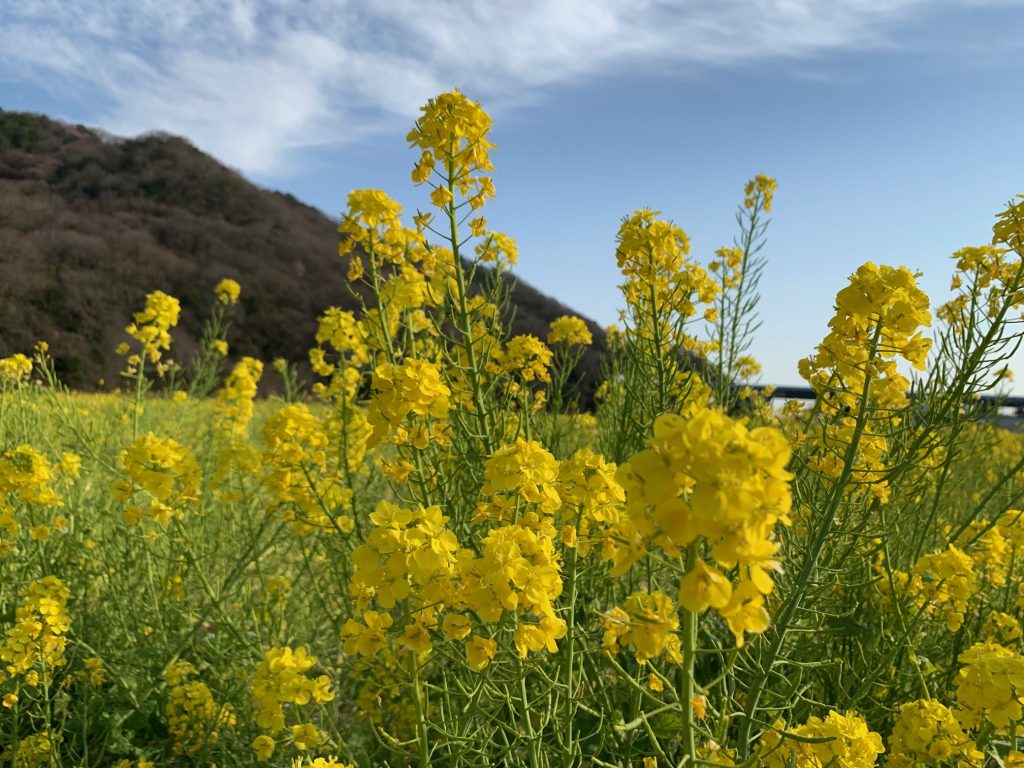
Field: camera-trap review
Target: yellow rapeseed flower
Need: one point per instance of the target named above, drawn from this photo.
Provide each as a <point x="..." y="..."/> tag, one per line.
<point x="569" y="330"/>
<point x="228" y="291"/>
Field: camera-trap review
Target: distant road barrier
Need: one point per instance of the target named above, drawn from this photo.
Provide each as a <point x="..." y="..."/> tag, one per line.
<point x="806" y="393"/>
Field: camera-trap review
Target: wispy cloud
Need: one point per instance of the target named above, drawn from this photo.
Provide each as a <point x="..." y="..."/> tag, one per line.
<point x="252" y="81"/>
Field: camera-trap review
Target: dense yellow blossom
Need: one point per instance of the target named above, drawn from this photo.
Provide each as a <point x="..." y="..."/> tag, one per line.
<point x="414" y="387"/>
<point x="37" y="750"/>
<point x="592" y="499"/>
<point x="94" y="671"/>
<point x="39" y="633"/>
<point x="263" y="746"/>
<point x="660" y="280"/>
<point x="763" y="187"/>
<point x="479" y="652"/>
<point x="373" y="225"/>
<point x="1009" y="226"/>
<point x="498" y="249"/>
<point x="990" y="687"/>
<point x="518" y="570"/>
<point x="25" y="476"/>
<point x="235" y="398"/>
<point x="525" y="468"/>
<point x="15" y="369"/>
<point x="151" y="326"/>
<point x="528" y="358"/>
<point x="281" y="679"/>
<point x="194" y="719"/>
<point x="228" y="291"/>
<point x="839" y="741"/>
<point x="648" y="623"/>
<point x="302" y="473"/>
<point x="345" y="335"/>
<point x="988" y="284"/>
<point x="878" y="317"/>
<point x="409" y="553"/>
<point x="164" y="472"/>
<point x="709" y="477"/>
<point x="569" y="330"/>
<point x="650" y="248"/>
<point x="928" y="733"/>
<point x="453" y="132"/>
<point x="1001" y="628"/>
<point x="945" y="580"/>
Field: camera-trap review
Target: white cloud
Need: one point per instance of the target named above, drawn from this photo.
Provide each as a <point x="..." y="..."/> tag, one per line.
<point x="251" y="81"/>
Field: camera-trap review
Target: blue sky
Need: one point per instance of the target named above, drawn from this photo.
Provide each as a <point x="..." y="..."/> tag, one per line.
<point x="893" y="126"/>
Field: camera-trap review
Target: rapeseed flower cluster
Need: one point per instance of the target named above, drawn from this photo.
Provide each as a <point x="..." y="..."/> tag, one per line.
<point x="414" y="387"/>
<point x="194" y="719"/>
<point x="1009" y="226"/>
<point x="760" y="186"/>
<point x="662" y="285"/>
<point x="281" y="679"/>
<point x="945" y="581"/>
<point x="453" y="133"/>
<point x="517" y="574"/>
<point x="839" y="741"/>
<point x="521" y="472"/>
<point x="726" y="265"/>
<point x="592" y="500"/>
<point x="709" y="480"/>
<point x="15" y="369"/>
<point x="648" y="623"/>
<point x="928" y="733"/>
<point x="346" y="337"/>
<point x="854" y="370"/>
<point x="164" y="471"/>
<point x="26" y="477"/>
<point x="228" y="291"/>
<point x="991" y="550"/>
<point x="34" y="751"/>
<point x="235" y="398"/>
<point x="987" y="276"/>
<point x="401" y="299"/>
<point x="372" y="225"/>
<point x="408" y="555"/>
<point x="571" y="331"/>
<point x="35" y="643"/>
<point x="1001" y="628"/>
<point x="528" y="359"/>
<point x="308" y="488"/>
<point x="151" y="327"/>
<point x="498" y="249"/>
<point x="341" y="351"/>
<point x="990" y="687"/>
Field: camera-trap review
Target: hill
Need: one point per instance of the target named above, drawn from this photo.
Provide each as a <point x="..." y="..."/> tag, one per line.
<point x="89" y="224"/>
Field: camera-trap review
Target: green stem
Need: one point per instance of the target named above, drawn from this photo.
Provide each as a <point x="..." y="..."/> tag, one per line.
<point x="464" y="322"/>
<point x="686" y="689"/>
<point x="137" y="406"/>
<point x="531" y="735"/>
<point x="421" y="715"/>
<point x="570" y="693"/>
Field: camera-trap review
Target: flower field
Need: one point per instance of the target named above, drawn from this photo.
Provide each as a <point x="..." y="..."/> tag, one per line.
<point x="436" y="556"/>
